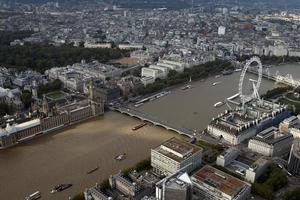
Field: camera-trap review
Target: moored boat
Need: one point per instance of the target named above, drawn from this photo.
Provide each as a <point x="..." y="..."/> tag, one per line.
<point x="60" y="188"/>
<point x="186" y="87"/>
<point x="216" y="83"/>
<point x="93" y="170"/>
<point x="218" y="104"/>
<point x="120" y="157"/>
<point x="34" y="196"/>
<point x="139" y="126"/>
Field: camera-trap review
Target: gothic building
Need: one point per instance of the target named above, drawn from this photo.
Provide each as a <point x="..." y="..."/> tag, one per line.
<point x="54" y="117"/>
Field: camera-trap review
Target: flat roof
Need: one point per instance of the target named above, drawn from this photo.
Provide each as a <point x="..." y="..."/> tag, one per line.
<point x="220" y="180"/>
<point x="271" y="136"/>
<point x="174" y="148"/>
<point x="291" y="119"/>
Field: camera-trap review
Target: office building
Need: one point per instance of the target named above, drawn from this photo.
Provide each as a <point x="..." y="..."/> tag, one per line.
<point x="271" y="142"/>
<point x="294" y="158"/>
<point x="174" y="187"/>
<point x="174" y="155"/>
<point x="211" y="183"/>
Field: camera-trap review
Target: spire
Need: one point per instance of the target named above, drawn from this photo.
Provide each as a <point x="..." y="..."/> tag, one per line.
<point x="91" y="90"/>
<point x="45" y="105"/>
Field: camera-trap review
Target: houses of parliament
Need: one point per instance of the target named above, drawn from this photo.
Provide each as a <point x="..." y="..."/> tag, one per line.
<point x="53" y="117"/>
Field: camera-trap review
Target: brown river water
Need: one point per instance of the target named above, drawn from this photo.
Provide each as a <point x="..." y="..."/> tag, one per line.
<point x="66" y="156"/>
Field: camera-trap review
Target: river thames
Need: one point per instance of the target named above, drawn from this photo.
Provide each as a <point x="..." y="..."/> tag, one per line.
<point x="194" y="108"/>
<point x="66" y="156"/>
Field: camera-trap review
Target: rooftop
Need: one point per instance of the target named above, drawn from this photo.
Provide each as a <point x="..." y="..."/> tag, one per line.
<point x="291" y="119"/>
<point x="19" y="127"/>
<point x="271" y="136"/>
<point x="177" y="150"/>
<point x="235" y="121"/>
<point x="220" y="180"/>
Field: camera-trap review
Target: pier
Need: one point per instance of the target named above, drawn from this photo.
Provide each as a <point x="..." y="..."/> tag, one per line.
<point x="287" y="80"/>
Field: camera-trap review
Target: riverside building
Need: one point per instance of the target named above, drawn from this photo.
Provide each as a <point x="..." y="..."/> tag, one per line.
<point x="235" y="126"/>
<point x="174" y="155"/>
<point x="271" y="142"/>
<point x="52" y="118"/>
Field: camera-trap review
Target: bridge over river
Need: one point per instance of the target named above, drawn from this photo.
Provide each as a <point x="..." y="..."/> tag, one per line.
<point x="154" y="120"/>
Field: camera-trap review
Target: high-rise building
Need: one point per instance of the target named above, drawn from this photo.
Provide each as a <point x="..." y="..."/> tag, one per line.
<point x="294" y="159"/>
<point x="175" y="187"/>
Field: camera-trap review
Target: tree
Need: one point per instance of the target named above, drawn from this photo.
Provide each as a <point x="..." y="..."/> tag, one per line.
<point x="41" y="57"/>
<point x="4" y="109"/>
<point x="79" y="196"/>
<point x="26" y="98"/>
<point x="50" y="87"/>
<point x="292" y="195"/>
<point x="271" y="181"/>
<point x="6" y="37"/>
<point x="104" y="185"/>
<point x="136" y="72"/>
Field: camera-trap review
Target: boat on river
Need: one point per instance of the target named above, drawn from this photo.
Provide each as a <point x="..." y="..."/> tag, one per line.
<point x="120" y="157"/>
<point x="60" y="188"/>
<point x="139" y="126"/>
<point x="93" y="170"/>
<point x="218" y="104"/>
<point x="216" y="83"/>
<point x="186" y="87"/>
<point x="34" y="196"/>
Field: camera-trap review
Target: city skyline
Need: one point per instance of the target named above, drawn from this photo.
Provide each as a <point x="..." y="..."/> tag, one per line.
<point x="149" y="100"/>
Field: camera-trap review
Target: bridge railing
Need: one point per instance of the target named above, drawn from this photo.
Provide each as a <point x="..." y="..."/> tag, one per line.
<point x="153" y="120"/>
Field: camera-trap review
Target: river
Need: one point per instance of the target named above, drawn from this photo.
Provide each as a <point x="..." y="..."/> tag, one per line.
<point x="66" y="156"/>
<point x="194" y="108"/>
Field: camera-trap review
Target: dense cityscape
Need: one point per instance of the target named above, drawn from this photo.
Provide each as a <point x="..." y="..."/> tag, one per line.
<point x="149" y="100"/>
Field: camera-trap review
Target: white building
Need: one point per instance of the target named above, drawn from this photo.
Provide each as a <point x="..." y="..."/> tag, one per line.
<point x="293" y="52"/>
<point x="211" y="183"/>
<point x="291" y="125"/>
<point x="235" y="126"/>
<point x="271" y="142"/>
<point x="73" y="77"/>
<point x="95" y="193"/>
<point x="147" y="80"/>
<point x="230" y="158"/>
<point x="131" y="46"/>
<point x="256" y="169"/>
<point x="227" y="156"/>
<point x="280" y="50"/>
<point x="165" y="70"/>
<point x="172" y="65"/>
<point x="174" y="155"/>
<point x="286" y="124"/>
<point x="175" y="187"/>
<point x="221" y="30"/>
<point x="97" y="45"/>
<point x="152" y="72"/>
